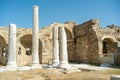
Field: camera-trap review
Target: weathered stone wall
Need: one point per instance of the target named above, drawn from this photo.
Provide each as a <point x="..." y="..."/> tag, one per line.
<point x="70" y="48"/>
<point x="24" y="40"/>
<point x="87" y="42"/>
<point x="112" y="33"/>
<point x="47" y="39"/>
<point x="3" y="44"/>
<point x="84" y="42"/>
<point x="89" y="38"/>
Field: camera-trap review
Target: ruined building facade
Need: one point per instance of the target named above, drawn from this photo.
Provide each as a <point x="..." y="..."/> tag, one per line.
<point x="86" y="43"/>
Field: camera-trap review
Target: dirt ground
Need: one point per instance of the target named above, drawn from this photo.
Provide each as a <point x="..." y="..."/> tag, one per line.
<point x="58" y="74"/>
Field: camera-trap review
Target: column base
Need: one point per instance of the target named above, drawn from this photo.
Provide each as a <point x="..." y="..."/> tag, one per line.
<point x="11" y="67"/>
<point x="55" y="63"/>
<point x="33" y="66"/>
<point x="24" y="68"/>
<point x="64" y="66"/>
<point x="11" y="64"/>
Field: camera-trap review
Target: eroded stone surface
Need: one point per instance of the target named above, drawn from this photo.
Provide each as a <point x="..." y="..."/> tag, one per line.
<point x="35" y="38"/>
<point x="85" y="42"/>
<point x="12" y="47"/>
<point x="55" y="53"/>
<point x="63" y="48"/>
<point x="115" y="77"/>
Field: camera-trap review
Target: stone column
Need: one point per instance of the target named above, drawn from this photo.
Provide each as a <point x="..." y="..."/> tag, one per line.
<point x="35" y="37"/>
<point x="63" y="48"/>
<point x="55" y="55"/>
<point x="12" y="47"/>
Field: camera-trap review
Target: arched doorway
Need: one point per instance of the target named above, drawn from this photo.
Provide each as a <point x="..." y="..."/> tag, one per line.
<point x="25" y="57"/>
<point x="2" y="44"/>
<point x="26" y="48"/>
<point x="108" y="49"/>
<point x="108" y="46"/>
<point x="26" y="41"/>
<point x="3" y="51"/>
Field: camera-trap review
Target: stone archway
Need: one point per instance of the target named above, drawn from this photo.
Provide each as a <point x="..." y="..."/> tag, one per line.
<point x="68" y="33"/>
<point x="25" y="57"/>
<point x="3" y="49"/>
<point x="108" y="50"/>
<point x="108" y="46"/>
<point x="70" y="45"/>
<point x="26" y="42"/>
<point x="26" y="48"/>
<point x="2" y="44"/>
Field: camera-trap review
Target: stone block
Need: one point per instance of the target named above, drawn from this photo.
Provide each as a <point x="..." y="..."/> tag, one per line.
<point x="115" y="77"/>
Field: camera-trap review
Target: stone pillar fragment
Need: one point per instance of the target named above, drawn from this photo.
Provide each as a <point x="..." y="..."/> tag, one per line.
<point x="63" y="48"/>
<point x="12" y="47"/>
<point x="115" y="77"/>
<point x="55" y="55"/>
<point x="35" y="38"/>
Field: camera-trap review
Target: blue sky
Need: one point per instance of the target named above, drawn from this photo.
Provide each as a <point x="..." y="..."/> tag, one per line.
<point x="19" y="12"/>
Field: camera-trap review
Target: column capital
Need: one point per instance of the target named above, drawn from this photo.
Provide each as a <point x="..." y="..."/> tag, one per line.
<point x="11" y="24"/>
<point x="35" y="6"/>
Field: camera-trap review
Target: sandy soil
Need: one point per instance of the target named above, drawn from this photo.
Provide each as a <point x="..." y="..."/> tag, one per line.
<point x="58" y="74"/>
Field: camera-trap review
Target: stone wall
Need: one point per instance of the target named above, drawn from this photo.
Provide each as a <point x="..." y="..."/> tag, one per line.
<point x="84" y="42"/>
<point x="87" y="42"/>
<point x="112" y="33"/>
<point x="89" y="38"/>
<point x="3" y="44"/>
<point x="24" y="41"/>
<point x="70" y="48"/>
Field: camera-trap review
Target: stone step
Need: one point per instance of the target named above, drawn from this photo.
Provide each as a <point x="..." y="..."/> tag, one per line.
<point x="115" y="77"/>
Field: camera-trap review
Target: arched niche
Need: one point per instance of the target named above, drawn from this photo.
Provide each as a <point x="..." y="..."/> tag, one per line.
<point x="26" y="42"/>
<point x="2" y="44"/>
<point x="68" y="33"/>
<point x="108" y="45"/>
<point x="3" y="51"/>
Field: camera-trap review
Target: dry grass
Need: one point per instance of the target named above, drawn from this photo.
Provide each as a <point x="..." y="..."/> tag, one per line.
<point x="58" y="74"/>
<point x="113" y="71"/>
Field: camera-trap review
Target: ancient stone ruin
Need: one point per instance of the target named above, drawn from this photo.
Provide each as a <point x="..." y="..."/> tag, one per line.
<point x="59" y="44"/>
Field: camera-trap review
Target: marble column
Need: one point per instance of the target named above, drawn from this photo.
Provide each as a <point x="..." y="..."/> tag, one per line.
<point x="35" y="37"/>
<point x="12" y="46"/>
<point x="63" y="48"/>
<point x="55" y="55"/>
